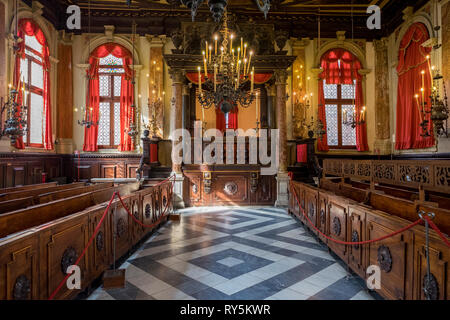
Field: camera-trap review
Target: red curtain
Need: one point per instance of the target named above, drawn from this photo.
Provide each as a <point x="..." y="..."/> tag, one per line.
<point x="343" y="72"/>
<point x="322" y="143"/>
<point x="233" y="118"/>
<point x="126" y="98"/>
<point x="412" y="60"/>
<point x="220" y="120"/>
<point x="30" y="28"/>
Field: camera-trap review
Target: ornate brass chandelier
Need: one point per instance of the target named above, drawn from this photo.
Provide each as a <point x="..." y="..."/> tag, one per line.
<point x="16" y="118"/>
<point x="218" y="7"/>
<point x="231" y="81"/>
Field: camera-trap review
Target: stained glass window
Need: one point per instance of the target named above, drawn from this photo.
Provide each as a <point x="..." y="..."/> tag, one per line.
<point x="32" y="74"/>
<point x="110" y="60"/>
<point x="110" y="81"/>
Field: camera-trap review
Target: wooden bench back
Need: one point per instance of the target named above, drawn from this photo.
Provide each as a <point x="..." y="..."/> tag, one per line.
<point x="57" y="195"/>
<point x="28" y="187"/>
<point x="16" y="204"/>
<point x="38" y="191"/>
<point x="23" y="219"/>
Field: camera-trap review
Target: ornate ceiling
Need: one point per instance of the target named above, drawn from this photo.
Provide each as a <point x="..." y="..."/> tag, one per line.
<point x="299" y="17"/>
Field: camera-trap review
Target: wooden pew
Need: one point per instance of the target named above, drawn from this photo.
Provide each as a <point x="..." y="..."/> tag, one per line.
<point x="16" y="204"/>
<point x="28" y="187"/>
<point x="34" y="258"/>
<point x="355" y="213"/>
<point x="35" y="192"/>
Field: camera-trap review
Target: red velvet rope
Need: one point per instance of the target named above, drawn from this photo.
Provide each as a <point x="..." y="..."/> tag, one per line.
<point x="97" y="229"/>
<point x="353" y="243"/>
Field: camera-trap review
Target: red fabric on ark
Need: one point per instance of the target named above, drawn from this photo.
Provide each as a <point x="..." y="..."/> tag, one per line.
<point x="260" y="78"/>
<point x="344" y="72"/>
<point x="153" y="152"/>
<point x="412" y="60"/>
<point x="233" y="119"/>
<point x="30" y="28"/>
<point x="126" y="98"/>
<point x="302" y="153"/>
<point x="220" y="120"/>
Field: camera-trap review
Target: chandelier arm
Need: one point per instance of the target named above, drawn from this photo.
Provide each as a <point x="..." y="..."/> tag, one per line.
<point x="264" y="6"/>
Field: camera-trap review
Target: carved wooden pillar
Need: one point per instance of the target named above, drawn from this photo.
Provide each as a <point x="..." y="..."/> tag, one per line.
<point x="176" y="122"/>
<point x="186" y="116"/>
<point x="64" y="111"/>
<point x="282" y="176"/>
<point x="264" y="109"/>
<point x="271" y="119"/>
<point x="280" y="84"/>
<point x="382" y="125"/>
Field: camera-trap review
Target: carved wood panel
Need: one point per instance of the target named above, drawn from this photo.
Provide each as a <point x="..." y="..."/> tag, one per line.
<point x="438" y="287"/>
<point x="119" y="225"/>
<point x="311" y="209"/>
<point x="356" y="225"/>
<point x="337" y="224"/>
<point x="65" y="244"/>
<point x="101" y="245"/>
<point x="392" y="255"/>
<point x="322" y="215"/>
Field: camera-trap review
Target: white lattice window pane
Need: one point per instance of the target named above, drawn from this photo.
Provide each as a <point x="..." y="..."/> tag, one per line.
<point x="105" y="86"/>
<point x="37" y="75"/>
<point x="348" y="133"/>
<point x="24" y="70"/>
<point x="332" y="124"/>
<point x="33" y="43"/>
<point x="117" y="128"/>
<point x="348" y="91"/>
<point x="36" y="118"/>
<point x="330" y="90"/>
<point x="117" y="86"/>
<point x="104" y="124"/>
<point x="110" y="60"/>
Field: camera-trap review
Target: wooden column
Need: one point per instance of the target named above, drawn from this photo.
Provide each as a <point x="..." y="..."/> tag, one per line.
<point x="64" y="87"/>
<point x="280" y="84"/>
<point x="382" y="124"/>
<point x="271" y="119"/>
<point x="263" y="109"/>
<point x="156" y="81"/>
<point x="186" y="107"/>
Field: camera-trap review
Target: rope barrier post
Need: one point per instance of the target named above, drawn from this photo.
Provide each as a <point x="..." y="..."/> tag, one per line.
<point x="427" y="251"/>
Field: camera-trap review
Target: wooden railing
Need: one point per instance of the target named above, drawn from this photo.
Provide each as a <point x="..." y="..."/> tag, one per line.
<point x="429" y="174"/>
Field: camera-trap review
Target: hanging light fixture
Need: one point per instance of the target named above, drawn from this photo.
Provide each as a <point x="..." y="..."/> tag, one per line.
<point x="218" y="7"/>
<point x="231" y="81"/>
<point x="87" y="111"/>
<point x="16" y="121"/>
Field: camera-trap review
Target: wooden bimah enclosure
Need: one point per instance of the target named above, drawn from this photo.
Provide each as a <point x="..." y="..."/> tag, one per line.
<point x="45" y="228"/>
<point x="361" y="204"/>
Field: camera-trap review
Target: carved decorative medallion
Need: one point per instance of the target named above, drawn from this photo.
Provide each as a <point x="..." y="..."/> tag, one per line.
<point x="355" y="238"/>
<point x="22" y="288"/>
<point x="194" y="189"/>
<point x="430" y="287"/>
<point x="384" y="258"/>
<point x="148" y="211"/>
<point x="100" y="241"/>
<point x="136" y="209"/>
<point x="337" y="226"/>
<point x="230" y="188"/>
<point x="322" y="217"/>
<point x="312" y="210"/>
<point x="68" y="259"/>
<point x="121" y="227"/>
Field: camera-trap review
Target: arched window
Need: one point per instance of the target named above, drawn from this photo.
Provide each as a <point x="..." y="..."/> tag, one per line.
<point x="341" y="100"/>
<point x="110" y="99"/>
<point x="32" y="73"/>
<point x="110" y="79"/>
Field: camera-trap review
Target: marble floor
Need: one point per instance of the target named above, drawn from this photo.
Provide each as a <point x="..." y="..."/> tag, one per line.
<point x="235" y="253"/>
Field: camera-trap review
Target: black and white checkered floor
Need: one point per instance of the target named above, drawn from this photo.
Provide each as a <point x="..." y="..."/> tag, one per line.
<point x="234" y="253"/>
